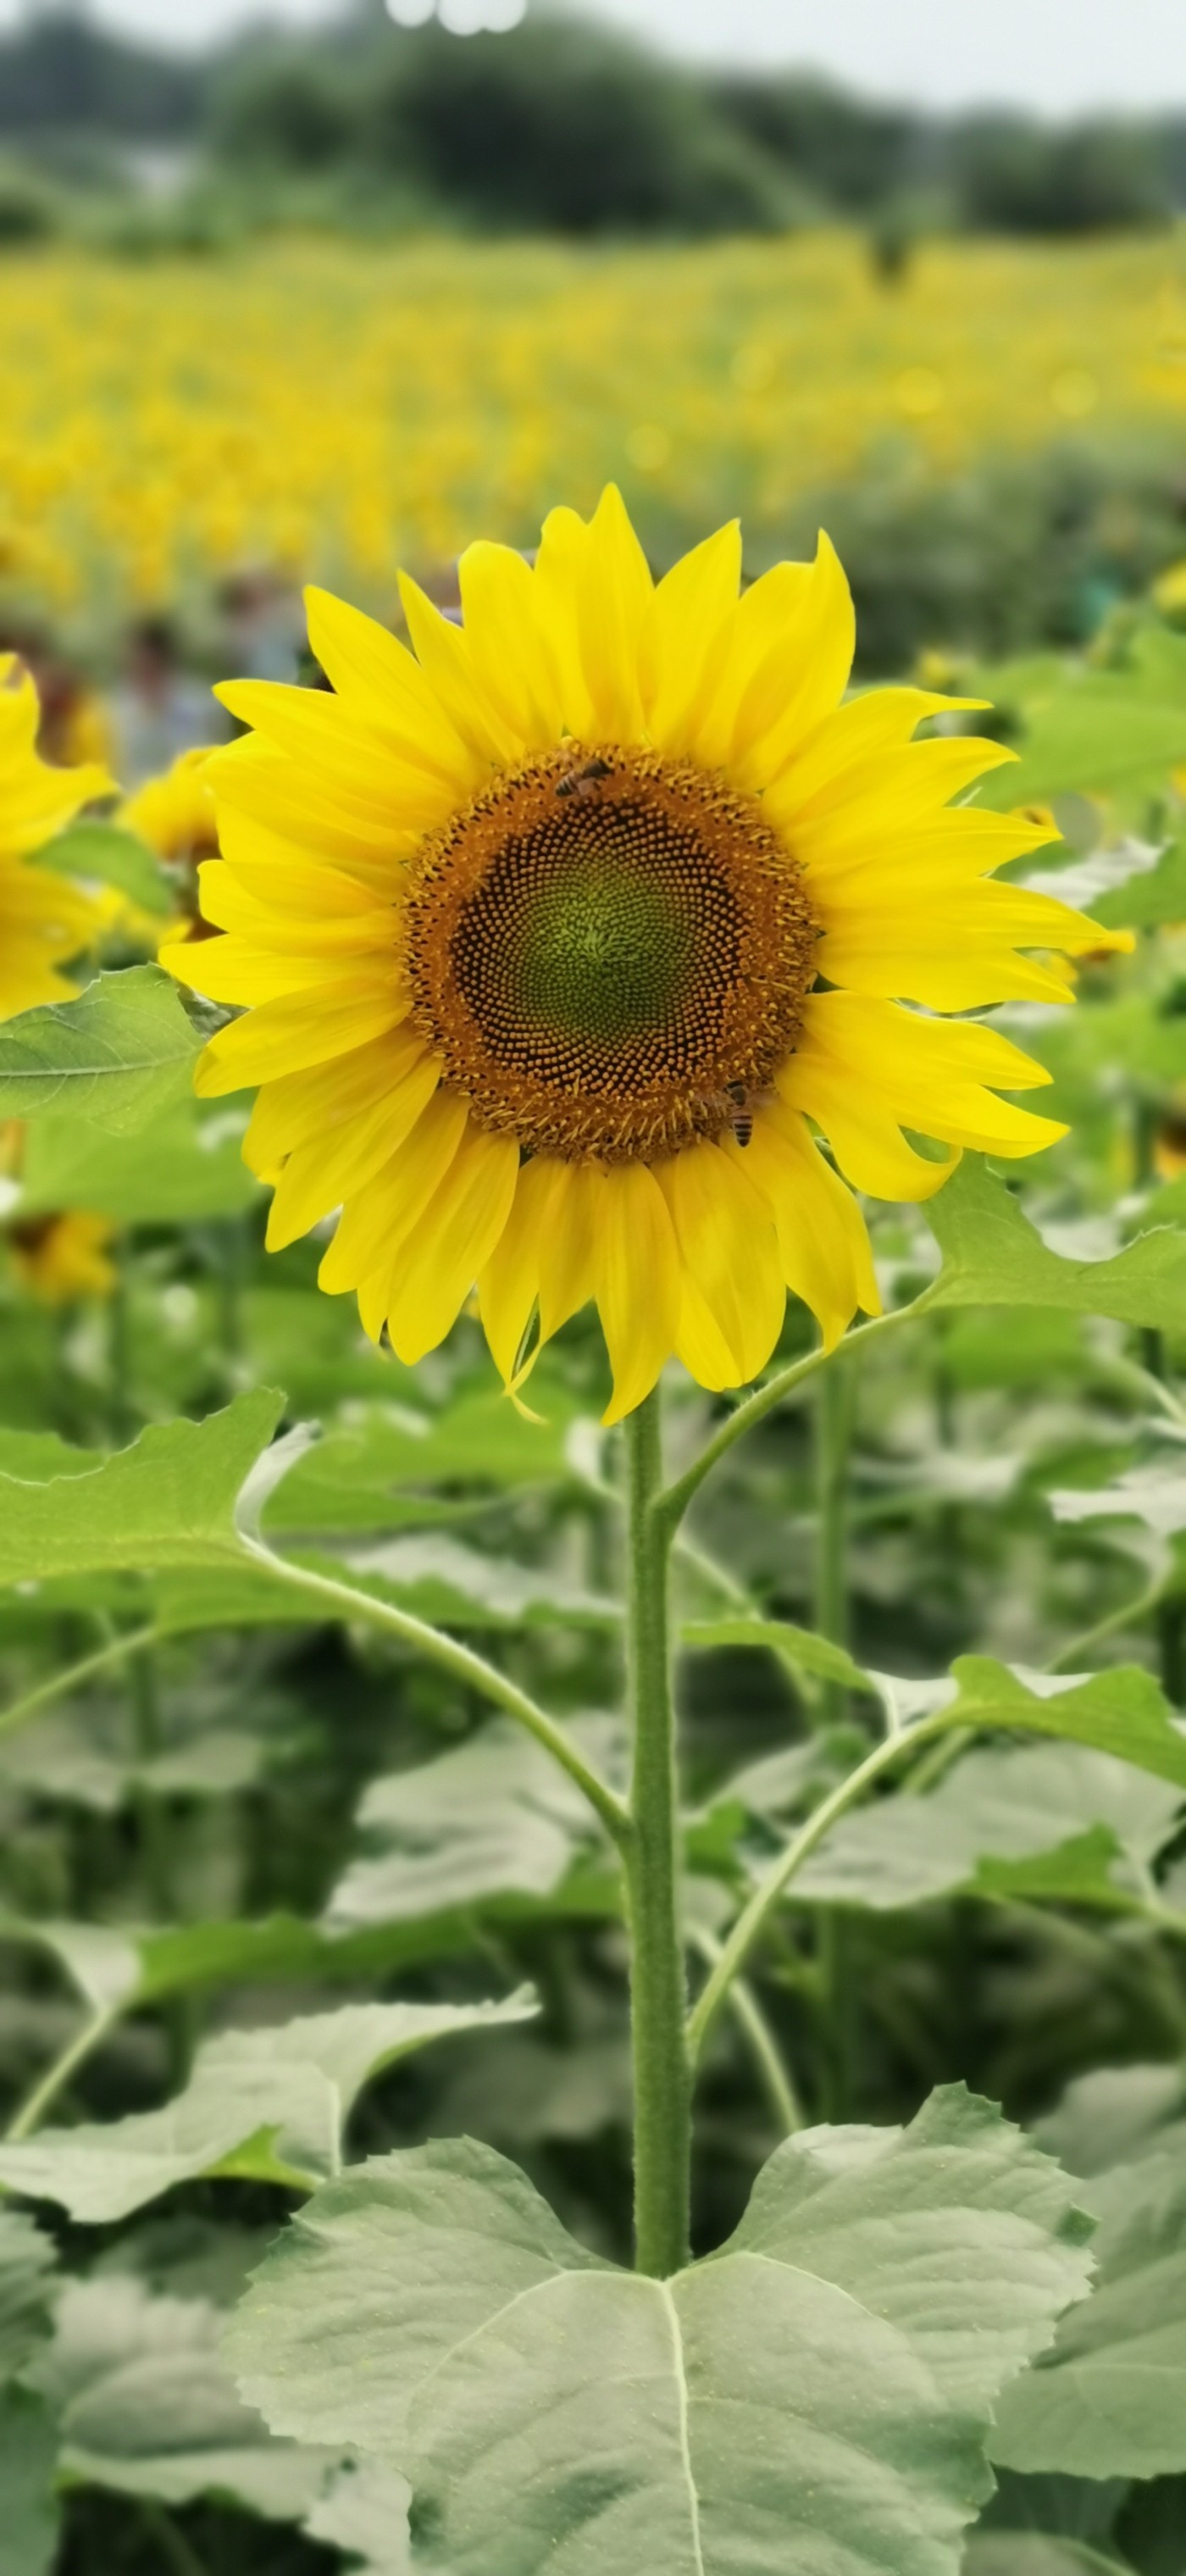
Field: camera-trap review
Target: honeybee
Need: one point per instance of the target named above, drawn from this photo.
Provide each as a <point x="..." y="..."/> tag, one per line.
<point x="584" y="782"/>
<point x="740" y="1102"/>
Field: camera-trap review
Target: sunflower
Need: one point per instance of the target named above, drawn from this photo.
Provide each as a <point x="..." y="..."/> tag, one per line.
<point x="63" y="1256"/>
<point x="567" y="937"/>
<point x="174" y="813"/>
<point x="44" y="918"/>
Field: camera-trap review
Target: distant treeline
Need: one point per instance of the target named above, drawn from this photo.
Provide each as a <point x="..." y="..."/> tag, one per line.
<point x="559" y="126"/>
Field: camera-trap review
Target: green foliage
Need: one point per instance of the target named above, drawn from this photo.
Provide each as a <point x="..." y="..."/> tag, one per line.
<point x="113" y="857"/>
<point x="147" y="2407"/>
<point x="993" y="1256"/>
<point x="268" y="2105"/>
<point x="430" y="2304"/>
<point x="170" y="1501"/>
<point x="116" y="1057"/>
<point x="297" y="1733"/>
<point x="179" y="1168"/>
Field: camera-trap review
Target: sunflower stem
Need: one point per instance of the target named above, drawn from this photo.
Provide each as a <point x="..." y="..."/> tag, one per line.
<point x="835" y="1414"/>
<point x="671" y="1505"/>
<point x="662" y="2075"/>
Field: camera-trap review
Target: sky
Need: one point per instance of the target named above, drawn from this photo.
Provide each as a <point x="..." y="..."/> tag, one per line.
<point x="1053" y="55"/>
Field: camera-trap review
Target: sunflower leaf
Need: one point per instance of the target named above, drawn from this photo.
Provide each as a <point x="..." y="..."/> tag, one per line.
<point x="148" y="2407"/>
<point x="117" y="1056"/>
<point x="168" y="1501"/>
<point x="993" y="1256"/>
<point x="105" y="852"/>
<point x="816" y="2393"/>
<point x="266" y="2105"/>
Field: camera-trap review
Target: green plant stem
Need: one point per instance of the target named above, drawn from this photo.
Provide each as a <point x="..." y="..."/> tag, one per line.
<point x="836" y="1408"/>
<point x="344" y="1602"/>
<point x="1127" y="1616"/>
<point x="671" y="1505"/>
<point x="662" y="2076"/>
<point x="122" y="1415"/>
<point x="183" y="2560"/>
<point x="752" y="1921"/>
<point x="115" y="1651"/>
<point x="751" y="2021"/>
<point x="37" y="2103"/>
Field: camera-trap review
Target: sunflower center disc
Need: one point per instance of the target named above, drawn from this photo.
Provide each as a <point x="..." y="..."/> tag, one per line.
<point x="608" y="949"/>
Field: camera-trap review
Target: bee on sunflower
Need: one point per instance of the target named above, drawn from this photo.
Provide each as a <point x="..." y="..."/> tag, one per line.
<point x="568" y="935"/>
<point x="45" y="918"/>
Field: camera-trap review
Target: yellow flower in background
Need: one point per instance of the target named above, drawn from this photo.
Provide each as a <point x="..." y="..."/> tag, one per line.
<point x="61" y="1257"/>
<point x="174" y="813"/>
<point x="45" y="919"/>
<point x="564" y="938"/>
<point x="1168" y="592"/>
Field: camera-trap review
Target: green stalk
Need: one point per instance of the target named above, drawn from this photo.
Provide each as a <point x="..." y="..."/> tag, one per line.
<point x="35" y="2105"/>
<point x="671" y="1505"/>
<point x="662" y="2076"/>
<point x="835" y="1413"/>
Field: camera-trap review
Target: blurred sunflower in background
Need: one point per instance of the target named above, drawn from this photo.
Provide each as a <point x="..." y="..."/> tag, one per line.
<point x="45" y="917"/>
<point x="566" y="936"/>
<point x="61" y="1257"/>
<point x="174" y="813"/>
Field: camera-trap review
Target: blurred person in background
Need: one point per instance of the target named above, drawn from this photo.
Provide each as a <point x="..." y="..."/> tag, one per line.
<point x="159" y="709"/>
<point x="263" y="628"/>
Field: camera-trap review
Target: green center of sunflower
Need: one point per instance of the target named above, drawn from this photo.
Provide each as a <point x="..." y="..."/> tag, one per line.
<point x="609" y="951"/>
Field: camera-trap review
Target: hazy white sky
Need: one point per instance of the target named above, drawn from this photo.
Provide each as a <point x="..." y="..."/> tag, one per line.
<point x="1051" y="54"/>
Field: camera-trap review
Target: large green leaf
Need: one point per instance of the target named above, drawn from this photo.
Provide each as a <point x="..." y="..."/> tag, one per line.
<point x="87" y="1761"/>
<point x="180" y="1168"/>
<point x="28" y="2454"/>
<point x="800" y="1648"/>
<point x="349" y="1479"/>
<point x="454" y="1586"/>
<point x="1155" y="1495"/>
<point x="1109" y="2399"/>
<point x="26" y="2287"/>
<point x="1122" y="1712"/>
<point x="1001" y="1805"/>
<point x="117" y="1056"/>
<point x="993" y="1256"/>
<point x="1110" y="730"/>
<point x="1035" y="2553"/>
<point x="147" y="2405"/>
<point x="364" y="2512"/>
<point x="271" y="2104"/>
<point x="812" y="2397"/>
<point x="114" y="857"/>
<point x="169" y="1500"/>
<point x="496" y="1816"/>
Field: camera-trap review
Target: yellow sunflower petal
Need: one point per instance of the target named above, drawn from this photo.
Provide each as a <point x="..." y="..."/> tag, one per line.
<point x="733" y="1297"/>
<point x="509" y="1283"/>
<point x="302" y="1029"/>
<point x="823" y="1241"/>
<point x="864" y="1070"/>
<point x="559" y="579"/>
<point x="687" y="638"/>
<point x="383" y="683"/>
<point x="300" y="1107"/>
<point x="452" y="1242"/>
<point x="443" y="652"/>
<point x="251" y="777"/>
<point x="373" y="1225"/>
<point x="318" y="1176"/>
<point x="638" y="1284"/>
<point x="796" y="632"/>
<point x="509" y="643"/>
<point x="615" y="601"/>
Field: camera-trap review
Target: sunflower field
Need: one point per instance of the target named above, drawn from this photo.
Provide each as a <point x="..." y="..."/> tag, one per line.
<point x="593" y="1411"/>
